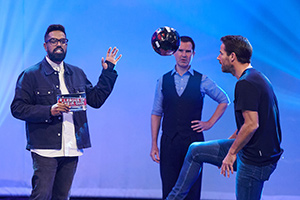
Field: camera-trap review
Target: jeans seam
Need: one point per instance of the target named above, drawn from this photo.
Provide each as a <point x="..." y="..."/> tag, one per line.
<point x="185" y="177"/>
<point x="202" y="154"/>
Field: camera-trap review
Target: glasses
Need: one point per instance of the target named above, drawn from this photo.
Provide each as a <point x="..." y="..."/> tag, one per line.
<point x="54" y="41"/>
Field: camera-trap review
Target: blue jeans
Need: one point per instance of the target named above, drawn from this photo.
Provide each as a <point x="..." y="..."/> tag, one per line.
<point x="249" y="181"/>
<point x="52" y="177"/>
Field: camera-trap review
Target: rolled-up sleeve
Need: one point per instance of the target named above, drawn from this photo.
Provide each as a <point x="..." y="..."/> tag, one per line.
<point x="215" y="92"/>
<point x="158" y="99"/>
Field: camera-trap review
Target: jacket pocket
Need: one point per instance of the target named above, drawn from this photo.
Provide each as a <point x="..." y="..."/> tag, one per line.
<point x="45" y="96"/>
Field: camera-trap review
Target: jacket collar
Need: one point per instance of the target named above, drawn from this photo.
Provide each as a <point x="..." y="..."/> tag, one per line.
<point x="49" y="70"/>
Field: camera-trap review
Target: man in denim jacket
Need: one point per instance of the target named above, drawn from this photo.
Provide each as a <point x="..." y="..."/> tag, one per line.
<point x="55" y="135"/>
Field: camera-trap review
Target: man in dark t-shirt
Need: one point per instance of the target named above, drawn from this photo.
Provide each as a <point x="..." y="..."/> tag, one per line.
<point x="253" y="92"/>
<point x="254" y="148"/>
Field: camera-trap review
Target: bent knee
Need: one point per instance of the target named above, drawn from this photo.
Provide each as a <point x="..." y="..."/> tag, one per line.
<point x="195" y="149"/>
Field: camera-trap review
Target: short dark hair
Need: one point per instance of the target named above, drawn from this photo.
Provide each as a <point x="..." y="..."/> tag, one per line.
<point x="188" y="39"/>
<point x="239" y="45"/>
<point x="54" y="27"/>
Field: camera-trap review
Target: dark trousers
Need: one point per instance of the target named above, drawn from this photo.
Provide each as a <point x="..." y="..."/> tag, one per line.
<point x="172" y="154"/>
<point x="52" y="177"/>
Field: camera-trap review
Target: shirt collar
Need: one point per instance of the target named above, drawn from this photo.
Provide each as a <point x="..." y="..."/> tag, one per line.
<point x="249" y="66"/>
<point x="191" y="71"/>
<point x="56" y="67"/>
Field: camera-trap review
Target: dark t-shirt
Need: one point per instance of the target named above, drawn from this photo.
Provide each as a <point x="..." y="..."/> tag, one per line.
<point x="254" y="92"/>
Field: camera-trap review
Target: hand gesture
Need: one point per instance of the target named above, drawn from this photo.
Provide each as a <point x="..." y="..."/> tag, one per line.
<point x="200" y="126"/>
<point x="111" y="57"/>
<point x="227" y="164"/>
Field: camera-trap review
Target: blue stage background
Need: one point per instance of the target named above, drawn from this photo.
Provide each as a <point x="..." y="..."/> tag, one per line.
<point x="118" y="164"/>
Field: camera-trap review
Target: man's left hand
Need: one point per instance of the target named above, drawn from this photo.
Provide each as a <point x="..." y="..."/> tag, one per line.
<point x="200" y="126"/>
<point x="111" y="57"/>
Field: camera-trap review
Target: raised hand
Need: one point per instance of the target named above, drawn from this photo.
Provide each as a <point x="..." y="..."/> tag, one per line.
<point x="111" y="57"/>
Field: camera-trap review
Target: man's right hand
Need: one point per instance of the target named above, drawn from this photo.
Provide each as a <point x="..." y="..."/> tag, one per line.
<point x="59" y="108"/>
<point x="154" y="154"/>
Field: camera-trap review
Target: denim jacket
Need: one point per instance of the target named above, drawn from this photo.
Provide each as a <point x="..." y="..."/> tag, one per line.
<point x="36" y="91"/>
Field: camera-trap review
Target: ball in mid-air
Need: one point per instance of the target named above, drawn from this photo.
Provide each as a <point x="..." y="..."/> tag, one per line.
<point x="165" y="41"/>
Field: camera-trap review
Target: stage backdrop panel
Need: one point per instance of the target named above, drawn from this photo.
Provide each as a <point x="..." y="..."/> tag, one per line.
<point x="118" y="164"/>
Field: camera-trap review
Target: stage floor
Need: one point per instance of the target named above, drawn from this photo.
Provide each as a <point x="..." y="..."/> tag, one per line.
<point x="72" y="198"/>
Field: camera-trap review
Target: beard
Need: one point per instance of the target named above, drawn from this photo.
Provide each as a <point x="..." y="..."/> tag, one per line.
<point x="227" y="68"/>
<point x="57" y="57"/>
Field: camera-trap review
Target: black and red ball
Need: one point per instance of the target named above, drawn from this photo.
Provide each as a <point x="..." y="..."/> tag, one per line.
<point x="165" y="41"/>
